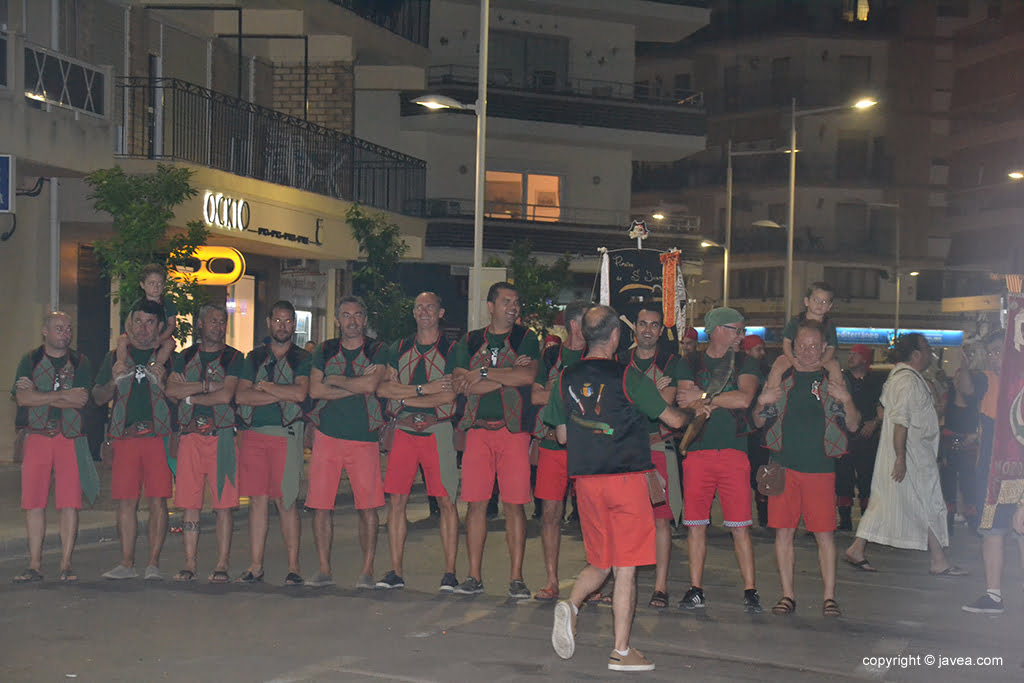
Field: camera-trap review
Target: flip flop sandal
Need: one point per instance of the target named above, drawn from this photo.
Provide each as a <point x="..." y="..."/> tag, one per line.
<point x="546" y="594"/>
<point x="659" y="600"/>
<point x="784" y="607"/>
<point x="185" y="576"/>
<point x="68" y="576"/>
<point x="28" y="576"/>
<point x="863" y="565"/>
<point x="951" y="570"/>
<point x="830" y="608"/>
<point x="248" y="577"/>
<point x="219" y="576"/>
<point x="292" y="579"/>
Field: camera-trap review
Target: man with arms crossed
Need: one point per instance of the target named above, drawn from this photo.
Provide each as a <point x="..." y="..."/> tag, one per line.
<point x="494" y="367"/>
<point x="345" y="376"/>
<point x="52" y="382"/>
<point x="273" y="384"/>
<point x="140" y="420"/>
<point x="552" y="475"/>
<point x="420" y="397"/>
<point x="601" y="410"/>
<point x="203" y="382"/>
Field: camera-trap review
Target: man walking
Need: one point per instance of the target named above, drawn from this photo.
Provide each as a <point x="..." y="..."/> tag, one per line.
<point x="600" y="410"/>
<point x="552" y="475"/>
<point x="273" y="384"/>
<point x="494" y="368"/>
<point x="52" y="384"/>
<point x="139" y="422"/>
<point x="717" y="459"/>
<point x="807" y="434"/>
<point x="345" y="376"/>
<point x="662" y="369"/>
<point x="857" y="466"/>
<point x="203" y="382"/>
<point x="422" y="403"/>
<point x="907" y="509"/>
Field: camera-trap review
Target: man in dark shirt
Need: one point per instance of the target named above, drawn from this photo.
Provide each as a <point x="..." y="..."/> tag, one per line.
<point x="958" y="445"/>
<point x="857" y="466"/>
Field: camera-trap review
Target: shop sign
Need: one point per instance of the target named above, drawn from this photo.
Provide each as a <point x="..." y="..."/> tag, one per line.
<point x="225" y="212"/>
<point x="217" y="266"/>
<point x="884" y="336"/>
<point x="702" y="335"/>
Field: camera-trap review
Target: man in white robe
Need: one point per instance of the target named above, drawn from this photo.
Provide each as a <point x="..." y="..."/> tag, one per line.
<point x="907" y="509"/>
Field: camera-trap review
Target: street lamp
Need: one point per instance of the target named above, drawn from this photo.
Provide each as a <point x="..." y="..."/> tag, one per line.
<point x="860" y="105"/>
<point x="480" y="108"/>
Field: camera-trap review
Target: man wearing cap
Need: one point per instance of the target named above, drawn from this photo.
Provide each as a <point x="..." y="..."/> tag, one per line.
<point x="688" y="345"/>
<point x="753" y="347"/>
<point x="717" y="457"/>
<point x="859" y="463"/>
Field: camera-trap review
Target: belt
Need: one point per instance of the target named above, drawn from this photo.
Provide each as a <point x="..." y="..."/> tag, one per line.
<point x="49" y="433"/>
<point x="139" y="429"/>
<point x="490" y="425"/>
<point x="658" y="437"/>
<point x="417" y="421"/>
<point x="199" y="425"/>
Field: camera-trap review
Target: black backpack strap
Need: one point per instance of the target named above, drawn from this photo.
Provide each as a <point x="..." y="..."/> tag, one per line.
<point x="474" y="340"/>
<point x="189" y="353"/>
<point x="444" y="346"/>
<point x="331" y="347"/>
<point x="36" y="356"/>
<point x="516" y="337"/>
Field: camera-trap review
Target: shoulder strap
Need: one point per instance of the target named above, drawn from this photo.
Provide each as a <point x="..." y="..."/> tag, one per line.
<point x="190" y="353"/>
<point x="371" y="346"/>
<point x="259" y="355"/>
<point x="516" y="336"/>
<point x="444" y="346"/>
<point x="331" y="347"/>
<point x="475" y="340"/>
<point x="37" y="355"/>
<point x="74" y="357"/>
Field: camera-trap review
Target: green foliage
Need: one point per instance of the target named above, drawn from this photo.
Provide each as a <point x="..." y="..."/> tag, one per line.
<point x="142" y="206"/>
<point x="389" y="310"/>
<point x="538" y="284"/>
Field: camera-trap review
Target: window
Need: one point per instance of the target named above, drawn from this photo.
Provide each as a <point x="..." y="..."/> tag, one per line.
<point x="851" y="226"/>
<point x="760" y="283"/>
<point x="781" y="87"/>
<point x="523" y="196"/>
<point x="854" y="74"/>
<point x="929" y="285"/>
<point x="852" y="155"/>
<point x="856" y="10"/>
<point x="853" y="283"/>
<point x="534" y="60"/>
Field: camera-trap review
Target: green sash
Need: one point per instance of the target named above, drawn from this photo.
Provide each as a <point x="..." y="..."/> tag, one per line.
<point x="294" y="458"/>
<point x="442" y="432"/>
<point x="673" y="486"/>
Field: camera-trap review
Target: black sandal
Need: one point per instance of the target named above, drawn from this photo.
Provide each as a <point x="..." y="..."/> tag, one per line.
<point x="830" y="608"/>
<point x="292" y="579"/>
<point x="248" y="577"/>
<point x="659" y="600"/>
<point x="784" y="607"/>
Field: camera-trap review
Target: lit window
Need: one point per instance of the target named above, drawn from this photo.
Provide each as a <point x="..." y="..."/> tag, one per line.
<point x="523" y="196"/>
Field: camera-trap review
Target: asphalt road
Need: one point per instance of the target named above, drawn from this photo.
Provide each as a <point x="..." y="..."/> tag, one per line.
<point x="101" y="630"/>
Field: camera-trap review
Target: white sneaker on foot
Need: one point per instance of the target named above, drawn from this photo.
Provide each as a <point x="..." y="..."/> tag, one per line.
<point x="563" y="633"/>
<point x="121" y="572"/>
<point x="153" y="573"/>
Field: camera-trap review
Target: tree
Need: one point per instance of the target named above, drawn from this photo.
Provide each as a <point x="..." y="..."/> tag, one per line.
<point x="388" y="309"/>
<point x="142" y="206"/>
<point x="538" y="284"/>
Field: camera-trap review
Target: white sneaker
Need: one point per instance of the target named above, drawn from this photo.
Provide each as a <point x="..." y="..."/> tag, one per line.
<point x="121" y="572"/>
<point x="153" y="573"/>
<point x="563" y="633"/>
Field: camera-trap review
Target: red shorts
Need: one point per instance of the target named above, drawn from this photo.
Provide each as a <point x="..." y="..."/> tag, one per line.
<point x="552" y="474"/>
<point x="261" y="459"/>
<point x="726" y="471"/>
<point x="407" y="453"/>
<point x="811" y="495"/>
<point x="45" y="454"/>
<point x="330" y="457"/>
<point x="496" y="453"/>
<point x="662" y="510"/>
<point x="197" y="461"/>
<point x="616" y="519"/>
<point x="140" y="460"/>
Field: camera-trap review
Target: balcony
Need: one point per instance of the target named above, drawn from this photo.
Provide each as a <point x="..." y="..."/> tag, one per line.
<point x="55" y="108"/>
<point x="170" y="119"/>
<point x="765" y="94"/>
<point x="409" y="19"/>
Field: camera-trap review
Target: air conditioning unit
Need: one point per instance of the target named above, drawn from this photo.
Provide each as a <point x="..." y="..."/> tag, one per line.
<point x="299" y="265"/>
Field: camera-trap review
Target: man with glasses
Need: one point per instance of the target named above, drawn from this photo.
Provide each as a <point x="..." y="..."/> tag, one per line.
<point x="717" y="458"/>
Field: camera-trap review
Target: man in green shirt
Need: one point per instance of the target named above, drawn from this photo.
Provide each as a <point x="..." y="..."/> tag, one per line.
<point x="808" y="433"/>
<point x="344" y="379"/>
<point x="552" y="475"/>
<point x="717" y="459"/>
<point x="52" y="383"/>
<point x="271" y="389"/>
<point x="203" y="382"/>
<point x="494" y="368"/>
<point x="140" y="421"/>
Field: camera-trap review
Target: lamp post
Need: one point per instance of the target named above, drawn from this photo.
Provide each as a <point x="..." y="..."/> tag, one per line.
<point x="480" y="108"/>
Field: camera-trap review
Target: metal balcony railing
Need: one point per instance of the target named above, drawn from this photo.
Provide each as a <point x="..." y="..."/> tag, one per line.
<point x="53" y="79"/>
<point x="3" y="60"/>
<point x="409" y="19"/>
<point x="167" y="118"/>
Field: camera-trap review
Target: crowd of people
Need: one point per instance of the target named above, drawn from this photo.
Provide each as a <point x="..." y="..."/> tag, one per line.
<point x="643" y="438"/>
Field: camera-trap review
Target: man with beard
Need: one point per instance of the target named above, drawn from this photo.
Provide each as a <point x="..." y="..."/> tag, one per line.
<point x="717" y="458"/>
<point x="52" y="383"/>
<point x="494" y="368"/>
<point x="273" y="384"/>
<point x="857" y="466"/>
<point x="140" y="420"/>
<point x="421" y="400"/>
<point x="552" y="475"/>
<point x="662" y="369"/>
<point x="203" y="382"/>
<point x="344" y="380"/>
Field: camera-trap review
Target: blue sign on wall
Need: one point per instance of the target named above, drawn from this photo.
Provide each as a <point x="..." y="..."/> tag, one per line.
<point x="884" y="336"/>
<point x="6" y="184"/>
<point x="702" y="336"/>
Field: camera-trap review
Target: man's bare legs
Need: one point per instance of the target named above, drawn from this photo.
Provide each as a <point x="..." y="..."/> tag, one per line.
<point x="368" y="526"/>
<point x="697" y="549"/>
<point x="68" y="536"/>
<point x="663" y="541"/>
<point x="323" y="538"/>
<point x="259" y="526"/>
<point x="744" y="548"/>
<point x="157" y="530"/>
<point x="476" y="536"/>
<point x="449" y="532"/>
<point x="827" y="562"/>
<point x="551" y="540"/>
<point x="784" y="557"/>
<point x="397" y="529"/>
<point x="35" y="527"/>
<point x="515" y="538"/>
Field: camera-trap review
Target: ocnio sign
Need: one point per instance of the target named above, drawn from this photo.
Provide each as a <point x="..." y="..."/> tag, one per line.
<point x="225" y="212"/>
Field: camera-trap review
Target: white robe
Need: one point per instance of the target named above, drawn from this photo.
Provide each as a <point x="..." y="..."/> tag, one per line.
<point x="901" y="514"/>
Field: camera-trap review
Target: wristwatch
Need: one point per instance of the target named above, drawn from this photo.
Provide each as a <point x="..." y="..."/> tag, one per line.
<point x="419" y="389"/>
<point x="188" y="400"/>
<point x="483" y="372"/>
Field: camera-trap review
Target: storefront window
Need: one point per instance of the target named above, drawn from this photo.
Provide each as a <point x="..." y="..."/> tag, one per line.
<point x="523" y="196"/>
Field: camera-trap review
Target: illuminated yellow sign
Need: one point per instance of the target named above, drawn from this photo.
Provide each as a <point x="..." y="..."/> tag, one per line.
<point x="217" y="266"/>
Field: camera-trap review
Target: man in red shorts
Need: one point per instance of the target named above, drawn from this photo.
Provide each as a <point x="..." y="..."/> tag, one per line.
<point x="271" y="389"/>
<point x="52" y="384"/>
<point x="808" y="432"/>
<point x="600" y="410"/>
<point x="345" y="376"/>
<point x="421" y="400"/>
<point x="663" y="369"/>
<point x="717" y="458"/>
<point x="203" y="382"/>
<point x="495" y="368"/>
<point x="552" y="475"/>
<point x="140" y="421"/>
